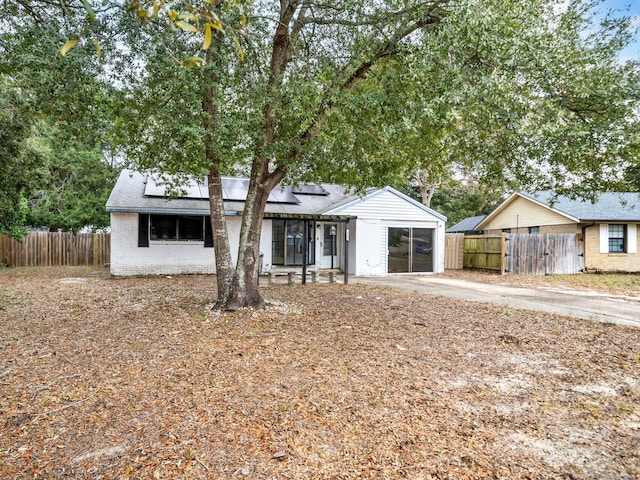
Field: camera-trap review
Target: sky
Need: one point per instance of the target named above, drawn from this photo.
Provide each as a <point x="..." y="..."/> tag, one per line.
<point x="626" y="7"/>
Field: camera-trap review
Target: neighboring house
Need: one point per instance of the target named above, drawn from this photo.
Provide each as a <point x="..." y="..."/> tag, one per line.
<point x="609" y="224"/>
<point x="467" y="226"/>
<point x="382" y="232"/>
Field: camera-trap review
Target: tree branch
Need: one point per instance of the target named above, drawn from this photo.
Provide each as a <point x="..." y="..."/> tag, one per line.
<point x="358" y="73"/>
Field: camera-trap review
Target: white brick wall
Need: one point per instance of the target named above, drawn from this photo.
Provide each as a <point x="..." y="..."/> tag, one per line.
<point x="160" y="258"/>
<point x="170" y="258"/>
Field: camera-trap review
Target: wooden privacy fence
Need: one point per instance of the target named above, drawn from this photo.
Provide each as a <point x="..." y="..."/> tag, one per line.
<point x="523" y="254"/>
<point x="544" y="254"/>
<point x="483" y="252"/>
<point x="48" y="249"/>
<point x="453" y="251"/>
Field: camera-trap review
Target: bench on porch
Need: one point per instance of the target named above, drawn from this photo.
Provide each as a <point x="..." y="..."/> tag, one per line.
<point x="316" y="276"/>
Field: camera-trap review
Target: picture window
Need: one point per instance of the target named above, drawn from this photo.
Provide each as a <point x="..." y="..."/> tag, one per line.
<point x="177" y="227"/>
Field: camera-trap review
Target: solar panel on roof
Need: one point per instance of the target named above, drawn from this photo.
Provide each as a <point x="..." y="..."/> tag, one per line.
<point x="192" y="190"/>
<point x="152" y="189"/>
<point x="309" y="190"/>
<point x="233" y="189"/>
<point x="157" y="187"/>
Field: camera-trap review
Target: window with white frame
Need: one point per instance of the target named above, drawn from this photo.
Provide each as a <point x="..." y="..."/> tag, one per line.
<point x="617" y="238"/>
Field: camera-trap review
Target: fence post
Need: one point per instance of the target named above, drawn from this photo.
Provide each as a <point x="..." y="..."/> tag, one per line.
<point x="503" y="253"/>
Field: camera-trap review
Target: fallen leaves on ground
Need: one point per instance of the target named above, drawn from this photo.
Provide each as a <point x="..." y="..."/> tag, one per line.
<point x="106" y="377"/>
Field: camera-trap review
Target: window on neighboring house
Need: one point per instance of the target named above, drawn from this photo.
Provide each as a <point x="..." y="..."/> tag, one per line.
<point x="176" y="227"/>
<point x="534" y="229"/>
<point x="506" y="230"/>
<point x="617" y="236"/>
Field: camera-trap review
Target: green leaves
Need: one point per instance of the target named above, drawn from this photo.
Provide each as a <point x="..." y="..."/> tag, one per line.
<point x="193" y="61"/>
<point x="507" y="90"/>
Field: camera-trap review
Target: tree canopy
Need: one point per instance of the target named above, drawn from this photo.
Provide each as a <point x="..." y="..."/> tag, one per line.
<point x="523" y="96"/>
<point x="74" y="184"/>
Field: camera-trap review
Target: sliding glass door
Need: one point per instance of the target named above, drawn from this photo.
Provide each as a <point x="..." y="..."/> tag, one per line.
<point x="410" y="250"/>
<point x="398" y="250"/>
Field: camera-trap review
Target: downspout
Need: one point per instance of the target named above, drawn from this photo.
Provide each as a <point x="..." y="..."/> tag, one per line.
<point x="584" y="229"/>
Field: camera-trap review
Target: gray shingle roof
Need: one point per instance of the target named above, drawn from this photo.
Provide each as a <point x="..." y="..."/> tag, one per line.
<point x="610" y="206"/>
<point x="128" y="195"/>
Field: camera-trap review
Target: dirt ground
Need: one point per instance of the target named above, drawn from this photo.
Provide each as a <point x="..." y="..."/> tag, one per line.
<point x="106" y="377"/>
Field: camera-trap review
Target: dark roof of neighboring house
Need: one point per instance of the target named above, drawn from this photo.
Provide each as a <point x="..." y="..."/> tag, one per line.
<point x="141" y="192"/>
<point x="468" y="224"/>
<point x="609" y="206"/>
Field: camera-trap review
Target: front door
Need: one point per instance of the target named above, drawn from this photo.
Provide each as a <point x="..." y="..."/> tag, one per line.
<point x="329" y="258"/>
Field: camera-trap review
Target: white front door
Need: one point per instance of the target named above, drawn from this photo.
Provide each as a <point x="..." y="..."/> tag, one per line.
<point x="330" y="246"/>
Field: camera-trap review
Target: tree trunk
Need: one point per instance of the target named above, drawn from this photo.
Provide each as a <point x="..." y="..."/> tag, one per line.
<point x="227" y="280"/>
<point x="428" y="185"/>
<point x="226" y="275"/>
<point x="239" y="286"/>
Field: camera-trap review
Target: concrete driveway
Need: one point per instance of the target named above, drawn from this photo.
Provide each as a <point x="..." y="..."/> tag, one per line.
<point x="581" y="304"/>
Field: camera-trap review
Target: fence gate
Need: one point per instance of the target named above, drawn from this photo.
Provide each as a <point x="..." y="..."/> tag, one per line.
<point x="544" y="254"/>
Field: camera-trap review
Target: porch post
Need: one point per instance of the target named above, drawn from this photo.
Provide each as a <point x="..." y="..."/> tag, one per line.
<point x="305" y="250"/>
<point x="346" y="253"/>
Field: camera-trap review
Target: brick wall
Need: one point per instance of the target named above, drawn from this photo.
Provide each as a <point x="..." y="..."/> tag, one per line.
<point x="607" y="262"/>
<point x="160" y="258"/>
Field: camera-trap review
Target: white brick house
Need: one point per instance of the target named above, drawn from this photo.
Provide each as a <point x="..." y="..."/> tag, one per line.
<point x="382" y="232"/>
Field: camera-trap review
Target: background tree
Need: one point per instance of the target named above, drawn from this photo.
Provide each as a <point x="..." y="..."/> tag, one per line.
<point x="19" y="168"/>
<point x="460" y="200"/>
<point x="67" y="105"/>
<point x="517" y="97"/>
<point x="74" y="185"/>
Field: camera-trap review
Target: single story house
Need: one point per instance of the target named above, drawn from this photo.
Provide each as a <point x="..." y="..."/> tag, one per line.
<point x="609" y="224"/>
<point x="382" y="232"/>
